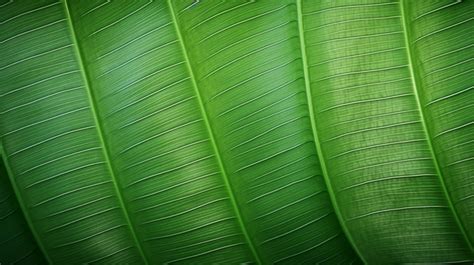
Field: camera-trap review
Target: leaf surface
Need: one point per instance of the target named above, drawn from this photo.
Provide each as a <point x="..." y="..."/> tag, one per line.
<point x="125" y="151"/>
<point x="17" y="245"/>
<point x="373" y="137"/>
<point x="262" y="132"/>
<point x="443" y="53"/>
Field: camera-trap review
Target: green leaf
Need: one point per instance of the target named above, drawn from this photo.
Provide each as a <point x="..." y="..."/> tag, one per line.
<point x="373" y="133"/>
<point x="17" y="245"/>
<point x="442" y="51"/>
<point x="134" y="157"/>
<point x="263" y="131"/>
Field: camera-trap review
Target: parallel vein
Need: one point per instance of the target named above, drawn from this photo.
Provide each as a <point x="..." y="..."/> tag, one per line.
<point x="416" y="87"/>
<point x="22" y="204"/>
<point x="212" y="138"/>
<point x="315" y="134"/>
<point x="100" y="132"/>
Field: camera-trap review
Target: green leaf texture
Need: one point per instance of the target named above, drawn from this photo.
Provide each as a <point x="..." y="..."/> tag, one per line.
<point x="17" y="245"/>
<point x="443" y="53"/>
<point x="291" y="132"/>
<point x="372" y="129"/>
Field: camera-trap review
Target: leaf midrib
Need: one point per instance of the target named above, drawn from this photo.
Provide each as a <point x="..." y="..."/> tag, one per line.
<point x="212" y="138"/>
<point x="317" y="141"/>
<point x="100" y="131"/>
<point x="416" y="86"/>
